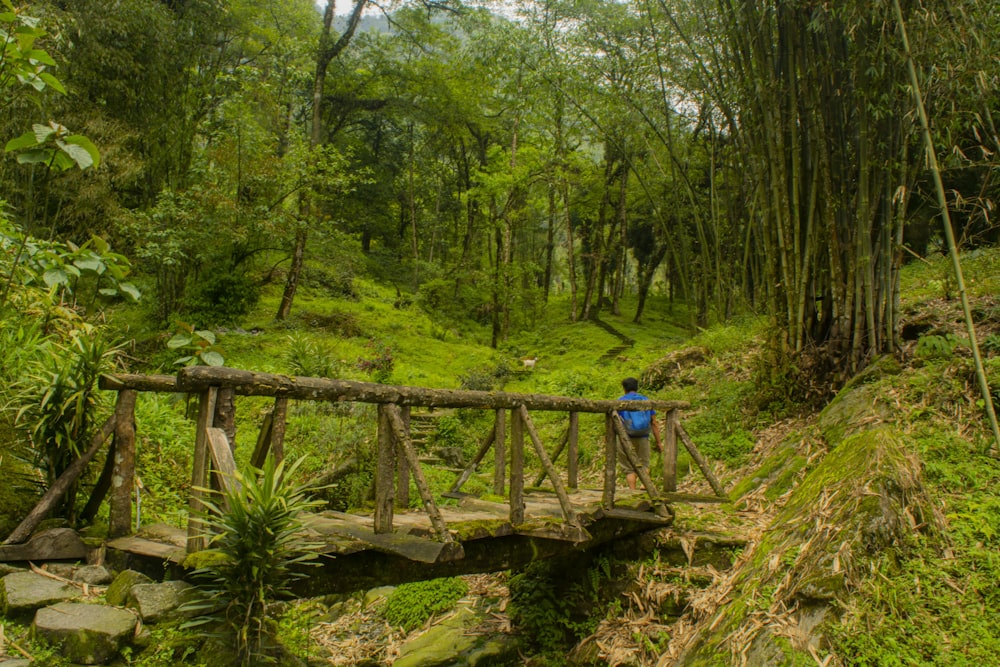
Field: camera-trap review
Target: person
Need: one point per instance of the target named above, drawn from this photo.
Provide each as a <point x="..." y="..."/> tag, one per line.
<point x="643" y="422"/>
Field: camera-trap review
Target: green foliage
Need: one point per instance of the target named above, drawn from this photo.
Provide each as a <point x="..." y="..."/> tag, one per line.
<point x="57" y="400"/>
<point x="256" y="533"/>
<point x="52" y="146"/>
<point x="305" y="355"/>
<point x="222" y="298"/>
<point x="379" y="362"/>
<point x="933" y="346"/>
<point x="553" y="605"/>
<point x="198" y="346"/>
<point x="410" y="605"/>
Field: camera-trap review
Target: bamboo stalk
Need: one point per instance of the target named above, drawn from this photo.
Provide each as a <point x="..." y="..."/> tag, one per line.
<point x="948" y="232"/>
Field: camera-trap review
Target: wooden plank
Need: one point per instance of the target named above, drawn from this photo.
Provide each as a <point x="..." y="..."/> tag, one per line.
<point x="563" y="532"/>
<point x="516" y="468"/>
<point x="413" y="548"/>
<point x="634" y="515"/>
<point x="573" y="455"/>
<point x="702" y="463"/>
<point x="632" y="456"/>
<point x="385" y="473"/>
<point x="56" y="491"/>
<point x="499" y="452"/>
<point x="670" y="452"/>
<point x="403" y="442"/>
<point x="610" y="461"/>
<point x="222" y="457"/>
<point x="123" y="475"/>
<point x="557" y="484"/>
<point x="150" y="548"/>
<point x="480" y="455"/>
<point x="199" y="471"/>
<point x="250" y="383"/>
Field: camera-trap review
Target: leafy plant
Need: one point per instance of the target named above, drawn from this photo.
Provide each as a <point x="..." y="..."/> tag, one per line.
<point x="304" y="356"/>
<point x="58" y="400"/>
<point x="933" y="346"/>
<point x="380" y="364"/>
<point x="256" y="548"/>
<point x="198" y="344"/>
<point x="410" y="605"/>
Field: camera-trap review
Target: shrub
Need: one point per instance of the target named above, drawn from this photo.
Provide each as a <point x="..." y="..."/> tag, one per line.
<point x="222" y="299"/>
<point x="255" y="546"/>
<point x="410" y="605"/>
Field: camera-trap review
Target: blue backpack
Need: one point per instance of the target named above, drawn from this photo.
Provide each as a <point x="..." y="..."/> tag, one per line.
<point x="636" y="422"/>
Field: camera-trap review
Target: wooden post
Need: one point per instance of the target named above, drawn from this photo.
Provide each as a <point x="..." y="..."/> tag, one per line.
<point x="404" y="444"/>
<point x="58" y="489"/>
<point x="610" y="461"/>
<point x="403" y="470"/>
<point x="670" y="452"/>
<point x="123" y="476"/>
<point x="223" y="463"/>
<point x="499" y="452"/>
<point x="263" y="441"/>
<point x="564" y="504"/>
<point x="632" y="456"/>
<point x="278" y="428"/>
<point x="225" y="421"/>
<point x="199" y="471"/>
<point x="702" y="463"/>
<point x="573" y="454"/>
<point x="467" y="473"/>
<point x="516" y="468"/>
<point x="101" y="487"/>
<point x="385" y="472"/>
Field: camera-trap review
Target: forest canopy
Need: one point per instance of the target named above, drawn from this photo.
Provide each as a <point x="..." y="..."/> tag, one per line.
<point x="756" y="157"/>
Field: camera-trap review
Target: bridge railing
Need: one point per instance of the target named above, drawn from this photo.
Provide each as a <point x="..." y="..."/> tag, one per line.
<point x="397" y="461"/>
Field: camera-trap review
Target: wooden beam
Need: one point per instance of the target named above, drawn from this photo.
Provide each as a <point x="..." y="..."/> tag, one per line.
<point x="702" y="463"/>
<point x="223" y="462"/>
<point x="516" y="468"/>
<point x="249" y="383"/>
<point x="403" y="442"/>
<point x="555" y="457"/>
<point x="610" y="461"/>
<point x="385" y="473"/>
<point x="567" y="509"/>
<point x="263" y="441"/>
<point x="118" y="382"/>
<point x="659" y="506"/>
<point x="199" y="471"/>
<point x="123" y="476"/>
<point x="58" y="488"/>
<point x="278" y="428"/>
<point x="476" y="460"/>
<point x="402" y="469"/>
<point x="499" y="452"/>
<point x="670" y="452"/>
<point x="573" y="455"/>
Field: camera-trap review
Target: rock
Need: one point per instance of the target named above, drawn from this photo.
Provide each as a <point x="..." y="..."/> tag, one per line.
<point x="52" y="544"/>
<point x="117" y="593"/>
<point x="95" y="575"/>
<point x="15" y="662"/>
<point x="87" y="634"/>
<point x="377" y="595"/>
<point x="159" y="602"/>
<point x="448" y="643"/>
<point x="21" y="593"/>
<point x="6" y="569"/>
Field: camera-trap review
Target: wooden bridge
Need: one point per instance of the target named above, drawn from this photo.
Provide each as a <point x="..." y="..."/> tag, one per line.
<point x="393" y="544"/>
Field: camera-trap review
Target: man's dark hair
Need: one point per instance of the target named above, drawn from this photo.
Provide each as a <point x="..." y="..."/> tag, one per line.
<point x="630" y="384"/>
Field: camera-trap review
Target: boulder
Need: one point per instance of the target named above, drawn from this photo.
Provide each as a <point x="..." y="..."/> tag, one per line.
<point x="52" y="544"/>
<point x="21" y="593"/>
<point x="95" y="575"/>
<point x="87" y="634"/>
<point x="158" y="602"/>
<point x="117" y="593"/>
<point x="448" y="643"/>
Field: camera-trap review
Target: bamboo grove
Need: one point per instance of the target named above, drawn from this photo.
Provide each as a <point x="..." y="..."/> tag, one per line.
<point x="724" y="156"/>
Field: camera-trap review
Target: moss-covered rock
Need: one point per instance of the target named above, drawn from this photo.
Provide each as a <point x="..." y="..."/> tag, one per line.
<point x="117" y="593"/>
<point x="864" y="497"/>
<point x="86" y="634"/>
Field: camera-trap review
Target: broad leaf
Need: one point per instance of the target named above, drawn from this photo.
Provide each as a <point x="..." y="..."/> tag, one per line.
<point x="207" y="335"/>
<point x="23" y="141"/>
<point x="179" y="340"/>
<point x="34" y="157"/>
<point x="90" y="264"/>
<point x="80" y="155"/>
<point x="55" y="277"/>
<point x="42" y="132"/>
<point x="213" y="358"/>
<point x="130" y="290"/>
<point x="87" y="145"/>
<point x="53" y="82"/>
